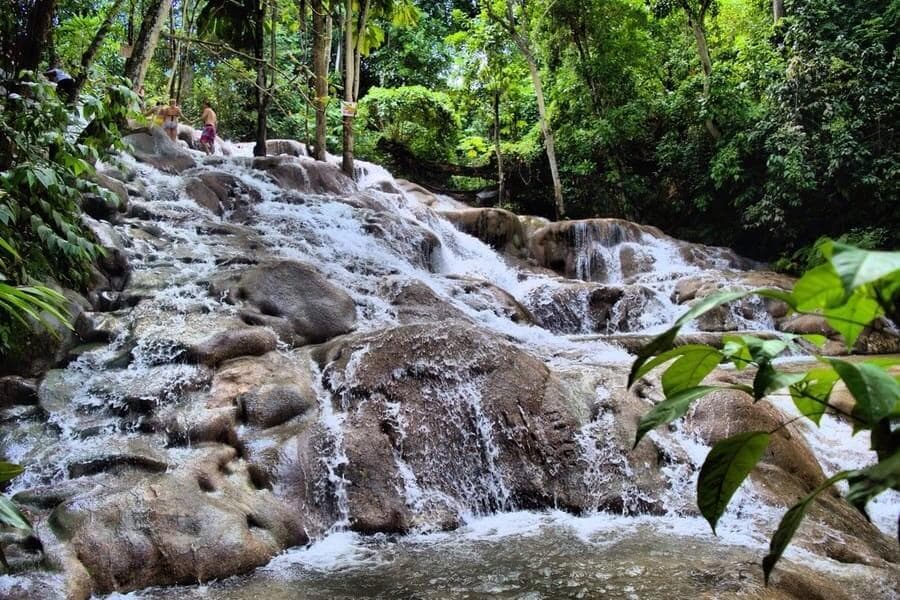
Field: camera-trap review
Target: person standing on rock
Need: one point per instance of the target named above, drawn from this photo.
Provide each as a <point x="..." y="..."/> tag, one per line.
<point x="210" y="120"/>
<point x="171" y="114"/>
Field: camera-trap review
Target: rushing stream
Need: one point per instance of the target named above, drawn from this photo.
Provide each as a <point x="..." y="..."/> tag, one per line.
<point x="110" y="400"/>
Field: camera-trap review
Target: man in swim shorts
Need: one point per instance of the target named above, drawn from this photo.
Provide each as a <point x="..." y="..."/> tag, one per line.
<point x="210" y="120"/>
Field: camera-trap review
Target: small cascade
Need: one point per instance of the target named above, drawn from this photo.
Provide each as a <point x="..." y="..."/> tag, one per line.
<point x="334" y="458"/>
<point x="452" y="448"/>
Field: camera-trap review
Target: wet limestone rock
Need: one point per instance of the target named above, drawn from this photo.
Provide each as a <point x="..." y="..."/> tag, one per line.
<point x="573" y="307"/>
<point x="477" y="424"/>
<point x="289" y="147"/>
<point x="114" y="262"/>
<point x="500" y="229"/>
<point x="205" y="197"/>
<point x="295" y="300"/>
<point x="201" y="521"/>
<point x="155" y="148"/>
<point x="788" y="471"/>
<point x="305" y="174"/>
<point x="415" y="302"/>
<point x="228" y="344"/>
<point x="482" y="295"/>
<point x="571" y="249"/>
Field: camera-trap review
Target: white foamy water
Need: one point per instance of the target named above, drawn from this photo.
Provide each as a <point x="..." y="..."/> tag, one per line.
<point x="371" y="248"/>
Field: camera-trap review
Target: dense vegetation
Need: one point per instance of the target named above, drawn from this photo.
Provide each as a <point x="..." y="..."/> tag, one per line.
<point x="755" y="124"/>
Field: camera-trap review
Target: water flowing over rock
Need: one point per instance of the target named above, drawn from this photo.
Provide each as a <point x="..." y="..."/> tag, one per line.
<point x="274" y="354"/>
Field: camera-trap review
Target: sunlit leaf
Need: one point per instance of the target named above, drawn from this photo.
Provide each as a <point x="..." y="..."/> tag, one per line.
<point x="690" y="369"/>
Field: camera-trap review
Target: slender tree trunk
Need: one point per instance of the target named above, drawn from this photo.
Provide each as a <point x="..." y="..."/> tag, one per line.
<point x="52" y="54"/>
<point x="145" y="44"/>
<point x="501" y="183"/>
<point x="177" y="45"/>
<point x="778" y="9"/>
<point x="88" y="57"/>
<point x="524" y="44"/>
<point x="357" y="54"/>
<point x="259" y="54"/>
<point x="546" y="130"/>
<point x="349" y="71"/>
<point x="34" y="37"/>
<point x="696" y="23"/>
<point x="320" y="70"/>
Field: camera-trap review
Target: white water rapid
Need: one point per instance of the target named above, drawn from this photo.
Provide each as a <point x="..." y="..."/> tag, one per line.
<point x="136" y="401"/>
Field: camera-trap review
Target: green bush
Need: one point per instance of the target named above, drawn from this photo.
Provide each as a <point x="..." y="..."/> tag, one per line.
<point x="415" y="117"/>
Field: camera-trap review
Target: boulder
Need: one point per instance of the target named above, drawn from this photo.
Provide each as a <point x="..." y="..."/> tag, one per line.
<point x="230" y="191"/>
<point x="17" y="391"/>
<point x="101" y="208"/>
<point x="415" y="302"/>
<point x="484" y="296"/>
<point x="558" y="245"/>
<point x="293" y="298"/>
<point x="247" y="341"/>
<point x="204" y="520"/>
<point x="188" y="135"/>
<point x="606" y="250"/>
<point x="788" y="471"/>
<point x="47" y="344"/>
<point x="496" y="227"/>
<point x="442" y="419"/>
<point x="305" y="174"/>
<point x="155" y="148"/>
<point x="583" y="307"/>
<point x="531" y="224"/>
<point x="114" y="261"/>
<point x="288" y="147"/>
<point x="205" y="197"/>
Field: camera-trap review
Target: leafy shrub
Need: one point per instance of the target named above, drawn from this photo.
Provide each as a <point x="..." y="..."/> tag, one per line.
<point x="422" y="120"/>
<point x="850" y="289"/>
<point x="47" y="159"/>
<point x="47" y="152"/>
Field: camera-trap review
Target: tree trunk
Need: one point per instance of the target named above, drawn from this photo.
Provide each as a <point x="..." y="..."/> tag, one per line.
<point x="52" y="54"/>
<point x="88" y="57"/>
<point x="145" y="44"/>
<point x="778" y="9"/>
<point x="34" y="37"/>
<point x="524" y="44"/>
<point x="696" y="24"/>
<point x="546" y="130"/>
<point x="349" y="71"/>
<point x="357" y="54"/>
<point x="501" y="184"/>
<point x="259" y="54"/>
<point x="320" y="70"/>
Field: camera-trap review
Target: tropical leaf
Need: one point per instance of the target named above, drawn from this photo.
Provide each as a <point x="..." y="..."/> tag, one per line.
<point x="725" y="468"/>
<point x="676" y="406"/>
<point x="789" y="524"/>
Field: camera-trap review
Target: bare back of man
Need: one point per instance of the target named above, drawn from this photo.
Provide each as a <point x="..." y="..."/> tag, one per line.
<point x="170" y="115"/>
<point x="210" y="122"/>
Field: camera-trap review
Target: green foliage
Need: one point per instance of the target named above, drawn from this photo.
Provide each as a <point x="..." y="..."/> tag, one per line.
<point x="10" y="516"/>
<point x="415" y="117"/>
<point x="48" y="161"/>
<point x="48" y="156"/>
<point x="850" y="289"/>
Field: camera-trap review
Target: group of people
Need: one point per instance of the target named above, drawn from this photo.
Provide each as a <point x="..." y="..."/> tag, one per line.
<point x="167" y="116"/>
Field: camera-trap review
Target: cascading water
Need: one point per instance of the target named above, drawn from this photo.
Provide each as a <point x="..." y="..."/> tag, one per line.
<point x="371" y="244"/>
